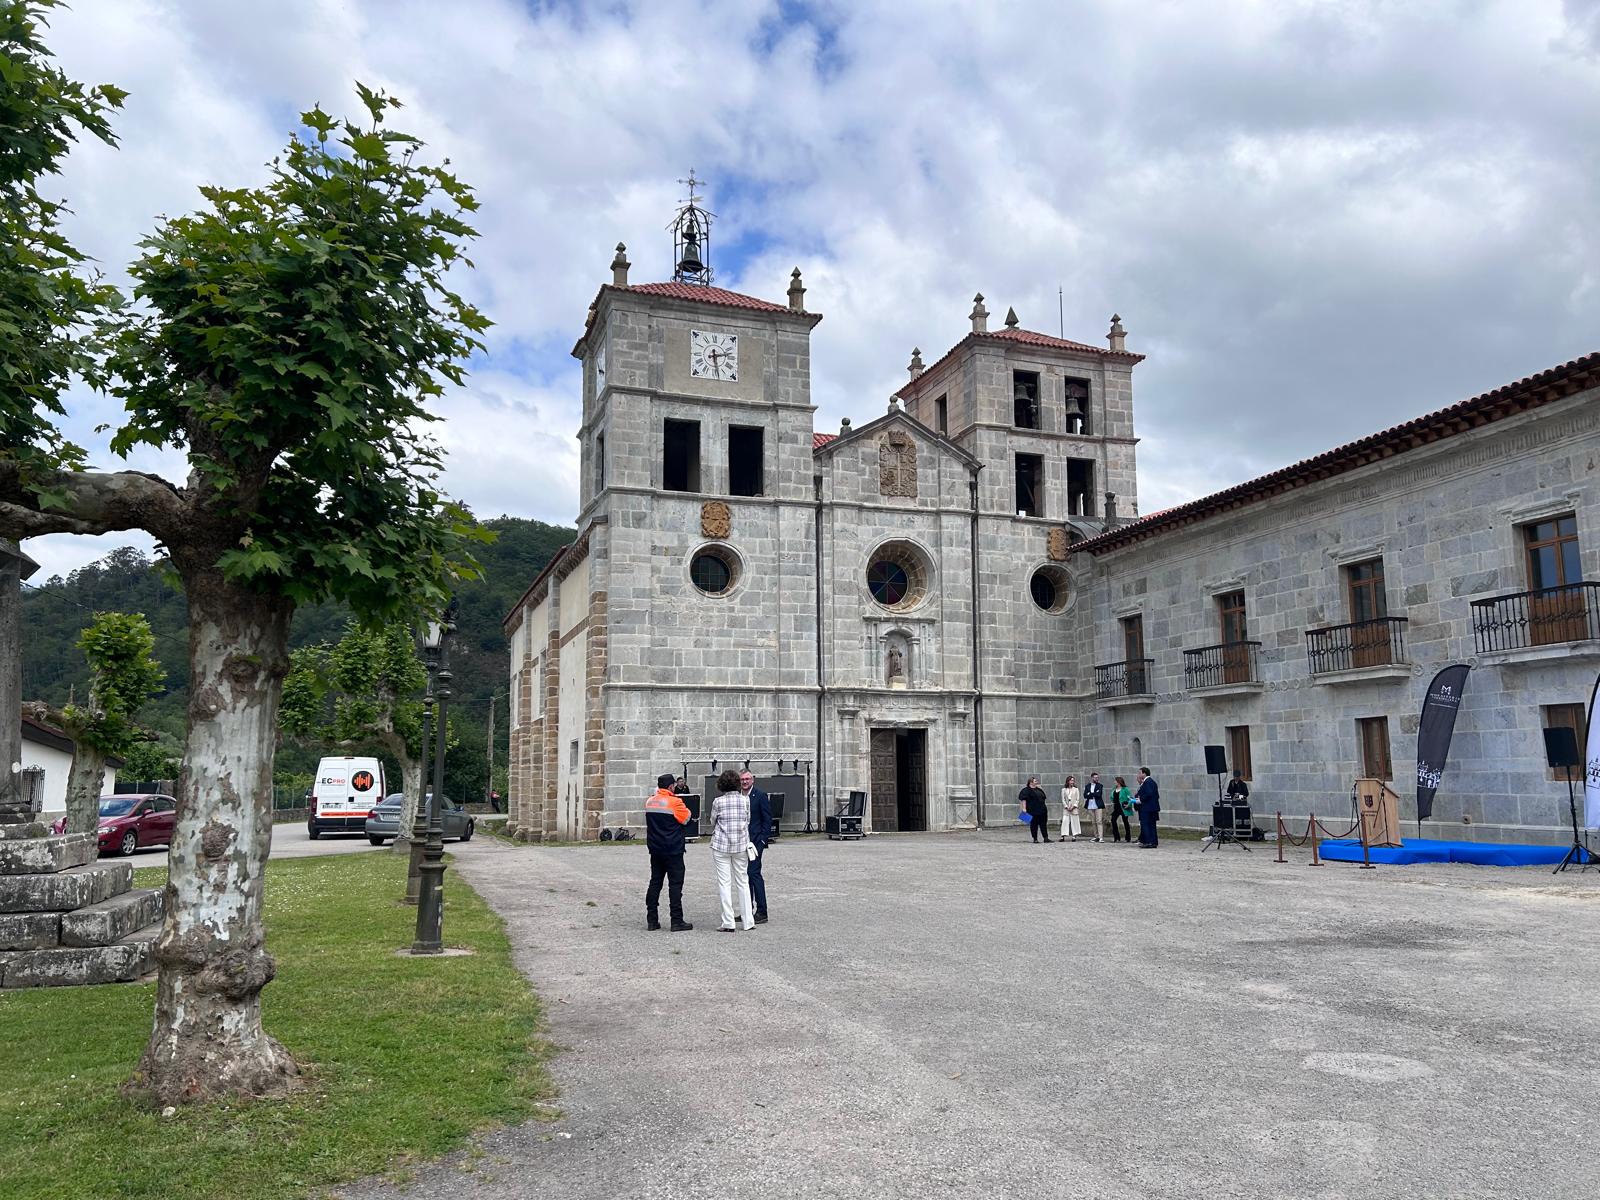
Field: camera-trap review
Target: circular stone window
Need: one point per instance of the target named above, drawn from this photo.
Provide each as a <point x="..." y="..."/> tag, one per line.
<point x="714" y="570"/>
<point x="897" y="576"/>
<point x="1050" y="589"/>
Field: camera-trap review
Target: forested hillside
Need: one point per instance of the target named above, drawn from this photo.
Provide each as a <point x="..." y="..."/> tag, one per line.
<point x="55" y="611"/>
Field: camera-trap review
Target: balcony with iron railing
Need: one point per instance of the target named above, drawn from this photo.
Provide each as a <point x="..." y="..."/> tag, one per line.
<point x="1360" y="649"/>
<point x="1547" y="622"/>
<point x="1128" y="682"/>
<point x="1231" y="666"/>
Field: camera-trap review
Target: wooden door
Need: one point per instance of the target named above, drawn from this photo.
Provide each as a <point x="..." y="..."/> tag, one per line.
<point x="1369" y="632"/>
<point x="1235" y="654"/>
<point x="885" y="798"/>
<point x="1557" y="611"/>
<point x="1133" y="654"/>
<point x="914" y="779"/>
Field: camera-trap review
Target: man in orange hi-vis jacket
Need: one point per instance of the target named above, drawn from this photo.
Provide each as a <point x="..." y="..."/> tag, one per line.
<point x="665" y="815"/>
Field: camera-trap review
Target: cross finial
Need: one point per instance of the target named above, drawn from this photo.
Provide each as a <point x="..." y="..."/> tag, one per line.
<point x="692" y="183"/>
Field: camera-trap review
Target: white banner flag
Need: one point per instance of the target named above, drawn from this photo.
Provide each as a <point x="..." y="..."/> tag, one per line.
<point x="1591" y="766"/>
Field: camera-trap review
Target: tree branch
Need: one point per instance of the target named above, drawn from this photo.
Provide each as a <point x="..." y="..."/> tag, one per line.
<point x="97" y="502"/>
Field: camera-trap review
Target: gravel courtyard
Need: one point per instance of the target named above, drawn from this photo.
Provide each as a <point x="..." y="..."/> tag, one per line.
<point x="970" y="1015"/>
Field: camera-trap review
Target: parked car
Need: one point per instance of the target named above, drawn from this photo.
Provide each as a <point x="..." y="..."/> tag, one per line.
<point x="384" y="823"/>
<point x="129" y="822"/>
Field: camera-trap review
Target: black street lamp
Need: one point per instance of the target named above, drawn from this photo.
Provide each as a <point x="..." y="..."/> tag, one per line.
<point x="419" y="818"/>
<point x="430" y="887"/>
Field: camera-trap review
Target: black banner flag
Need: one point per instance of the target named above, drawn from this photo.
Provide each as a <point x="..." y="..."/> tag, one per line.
<point x="1434" y="730"/>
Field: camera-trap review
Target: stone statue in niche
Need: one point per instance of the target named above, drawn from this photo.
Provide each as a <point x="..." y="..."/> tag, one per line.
<point x="897" y="465"/>
<point x="894" y="663"/>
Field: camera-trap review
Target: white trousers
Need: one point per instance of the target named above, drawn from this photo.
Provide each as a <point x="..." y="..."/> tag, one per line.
<point x="1070" y="825"/>
<point x="733" y="875"/>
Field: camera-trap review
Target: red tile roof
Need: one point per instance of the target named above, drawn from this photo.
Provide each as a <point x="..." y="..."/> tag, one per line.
<point x="1533" y="392"/>
<point x="1022" y="337"/>
<point x="706" y="294"/>
<point x="819" y="440"/>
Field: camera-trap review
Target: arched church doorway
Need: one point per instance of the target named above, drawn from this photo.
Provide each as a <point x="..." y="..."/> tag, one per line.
<point x="899" y="796"/>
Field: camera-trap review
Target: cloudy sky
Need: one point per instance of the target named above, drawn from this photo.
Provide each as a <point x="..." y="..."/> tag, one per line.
<point x="1316" y="219"/>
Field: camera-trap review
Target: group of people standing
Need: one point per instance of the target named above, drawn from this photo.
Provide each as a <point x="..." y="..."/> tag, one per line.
<point x="1121" y="805"/>
<point x="741" y="826"/>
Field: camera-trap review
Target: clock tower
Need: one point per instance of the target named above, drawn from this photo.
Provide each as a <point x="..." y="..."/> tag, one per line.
<point x="684" y="617"/>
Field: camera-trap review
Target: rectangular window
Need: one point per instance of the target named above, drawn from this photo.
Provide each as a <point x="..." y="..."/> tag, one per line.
<point x="1075" y="395"/>
<point x="1133" y="654"/>
<point x="941" y="415"/>
<point x="1239" y="749"/>
<point x="1375" y="759"/>
<point x="538" y="686"/>
<point x="680" y="456"/>
<point x="1235" y="655"/>
<point x="1025" y="399"/>
<point x="1567" y="716"/>
<point x="1557" y="612"/>
<point x="600" y="463"/>
<point x="746" y="470"/>
<point x="516" y="698"/>
<point x="572" y="755"/>
<point x="1080" y="487"/>
<point x="1370" y="642"/>
<point x="1030" y="485"/>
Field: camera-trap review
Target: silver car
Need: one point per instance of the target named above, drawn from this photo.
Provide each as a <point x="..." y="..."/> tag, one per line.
<point x="384" y="823"/>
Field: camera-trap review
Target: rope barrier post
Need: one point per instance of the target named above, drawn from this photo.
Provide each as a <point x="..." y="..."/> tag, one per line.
<point x="1366" y="858"/>
<point x="1280" y="838"/>
<point x="1315" y="861"/>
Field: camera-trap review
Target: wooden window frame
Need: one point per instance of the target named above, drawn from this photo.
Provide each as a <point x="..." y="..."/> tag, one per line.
<point x="1532" y="544"/>
<point x="1237" y="735"/>
<point x="1363" y="726"/>
<point x="1575" y="718"/>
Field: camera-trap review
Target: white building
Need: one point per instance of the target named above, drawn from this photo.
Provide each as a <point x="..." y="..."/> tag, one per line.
<point x="46" y="763"/>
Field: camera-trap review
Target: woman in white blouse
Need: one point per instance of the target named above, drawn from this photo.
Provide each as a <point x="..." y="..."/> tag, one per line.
<point x="730" y="849"/>
<point x="1071" y="799"/>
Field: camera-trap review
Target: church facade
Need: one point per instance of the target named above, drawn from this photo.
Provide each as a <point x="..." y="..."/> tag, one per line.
<point x="959" y="592"/>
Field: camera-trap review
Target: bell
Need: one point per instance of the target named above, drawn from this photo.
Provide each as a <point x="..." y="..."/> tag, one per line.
<point x="690" y="262"/>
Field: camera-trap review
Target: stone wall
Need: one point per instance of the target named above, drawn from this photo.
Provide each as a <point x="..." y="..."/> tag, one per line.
<point x="1444" y="520"/>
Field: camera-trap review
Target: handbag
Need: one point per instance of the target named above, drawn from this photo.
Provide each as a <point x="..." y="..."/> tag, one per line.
<point x="750" y="851"/>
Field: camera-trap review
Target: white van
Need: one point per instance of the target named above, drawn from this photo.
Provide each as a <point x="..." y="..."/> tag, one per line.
<point x="345" y="791"/>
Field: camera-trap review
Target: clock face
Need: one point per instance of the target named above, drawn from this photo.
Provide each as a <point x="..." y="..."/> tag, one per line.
<point x="600" y="368"/>
<point x="713" y="355"/>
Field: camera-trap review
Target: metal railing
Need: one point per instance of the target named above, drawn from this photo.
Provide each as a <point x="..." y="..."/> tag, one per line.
<point x="1375" y="643"/>
<point x="1213" y="666"/>
<point x="1547" y="617"/>
<point x="1130" y="678"/>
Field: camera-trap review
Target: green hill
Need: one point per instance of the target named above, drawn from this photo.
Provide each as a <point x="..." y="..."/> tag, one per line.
<point x="55" y="612"/>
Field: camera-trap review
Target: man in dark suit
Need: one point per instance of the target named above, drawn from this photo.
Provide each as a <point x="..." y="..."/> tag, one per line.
<point x="1148" y="801"/>
<point x="760" y="834"/>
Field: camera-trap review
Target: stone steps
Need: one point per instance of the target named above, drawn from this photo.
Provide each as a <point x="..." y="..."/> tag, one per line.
<point x="112" y="920"/>
<point x="72" y="966"/>
<point x="47" y="854"/>
<point x="62" y="891"/>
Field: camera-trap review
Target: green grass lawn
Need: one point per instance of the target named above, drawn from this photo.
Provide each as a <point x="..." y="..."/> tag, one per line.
<point x="404" y="1058"/>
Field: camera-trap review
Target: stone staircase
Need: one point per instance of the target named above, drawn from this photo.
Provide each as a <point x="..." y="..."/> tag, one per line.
<point x="67" y="919"/>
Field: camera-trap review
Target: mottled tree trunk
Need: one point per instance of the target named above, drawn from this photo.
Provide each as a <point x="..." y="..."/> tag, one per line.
<point x="207" y="1040"/>
<point x="411" y="785"/>
<point x="84" y="781"/>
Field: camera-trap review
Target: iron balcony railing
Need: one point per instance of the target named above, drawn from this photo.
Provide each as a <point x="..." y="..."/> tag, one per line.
<point x="1131" y="678"/>
<point x="1231" y="662"/>
<point x="1547" y="617"/>
<point x="1376" y="643"/>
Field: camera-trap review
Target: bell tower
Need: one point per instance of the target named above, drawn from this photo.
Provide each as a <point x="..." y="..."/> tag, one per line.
<point x="691" y="237"/>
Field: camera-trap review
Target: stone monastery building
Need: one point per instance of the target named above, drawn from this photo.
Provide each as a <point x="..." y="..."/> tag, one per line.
<point x="935" y="603"/>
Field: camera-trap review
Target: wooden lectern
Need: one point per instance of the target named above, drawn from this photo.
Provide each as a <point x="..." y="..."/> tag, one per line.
<point x="1379" y="808"/>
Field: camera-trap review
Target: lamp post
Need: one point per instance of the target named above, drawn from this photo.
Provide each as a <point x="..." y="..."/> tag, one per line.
<point x="419" y="818"/>
<point x="430" y="887"/>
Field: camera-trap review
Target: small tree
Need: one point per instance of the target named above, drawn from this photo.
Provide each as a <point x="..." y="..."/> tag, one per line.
<point x="123" y="674"/>
<point x="364" y="692"/>
<point x="288" y="340"/>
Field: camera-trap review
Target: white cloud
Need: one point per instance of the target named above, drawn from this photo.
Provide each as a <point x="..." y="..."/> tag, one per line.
<point x="1351" y="213"/>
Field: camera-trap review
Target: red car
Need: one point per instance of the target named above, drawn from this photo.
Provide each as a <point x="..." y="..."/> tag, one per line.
<point x="129" y="822"/>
